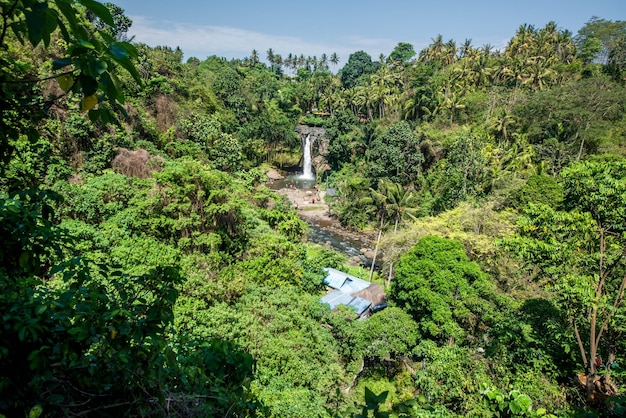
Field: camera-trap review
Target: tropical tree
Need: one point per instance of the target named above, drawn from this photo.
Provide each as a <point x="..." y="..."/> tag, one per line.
<point x="449" y="297"/>
<point x="366" y="98"/>
<point x="395" y="154"/>
<point x="87" y="64"/>
<point x="599" y="37"/>
<point x="501" y="124"/>
<point x="383" y="83"/>
<point x="401" y="54"/>
<point x="400" y="204"/>
<point x="359" y="66"/>
<point x="434" y="52"/>
<point x="323" y="62"/>
<point x="581" y="252"/>
<point x="254" y="58"/>
<point x="461" y="175"/>
<point x="122" y="23"/>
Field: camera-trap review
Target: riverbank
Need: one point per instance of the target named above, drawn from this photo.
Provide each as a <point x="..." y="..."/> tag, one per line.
<point x="312" y="208"/>
<point x="309" y="203"/>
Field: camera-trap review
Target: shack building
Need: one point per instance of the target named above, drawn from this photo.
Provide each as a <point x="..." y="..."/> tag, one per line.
<point x="361" y="296"/>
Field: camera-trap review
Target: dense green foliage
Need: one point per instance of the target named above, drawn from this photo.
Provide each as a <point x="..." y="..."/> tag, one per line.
<point x="446" y="293"/>
<point x="145" y="268"/>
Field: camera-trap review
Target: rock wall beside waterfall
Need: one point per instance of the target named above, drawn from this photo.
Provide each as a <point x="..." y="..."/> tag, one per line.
<point x="319" y="146"/>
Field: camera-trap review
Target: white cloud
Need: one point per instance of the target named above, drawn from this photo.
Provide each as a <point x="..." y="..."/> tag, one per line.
<point x="202" y="41"/>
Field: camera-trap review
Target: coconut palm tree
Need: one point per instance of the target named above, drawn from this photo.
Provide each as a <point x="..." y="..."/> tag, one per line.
<point x="466" y="48"/>
<point x="323" y="62"/>
<point x="334" y="59"/>
<point x="350" y="98"/>
<point x="450" y="52"/>
<point x="390" y="201"/>
<point x="254" y="58"/>
<point x="366" y="97"/>
<point x="383" y="83"/>
<point x="270" y="56"/>
<point x="501" y="123"/>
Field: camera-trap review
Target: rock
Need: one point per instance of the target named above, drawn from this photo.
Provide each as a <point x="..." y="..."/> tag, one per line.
<point x="274" y="175"/>
<point x="367" y="253"/>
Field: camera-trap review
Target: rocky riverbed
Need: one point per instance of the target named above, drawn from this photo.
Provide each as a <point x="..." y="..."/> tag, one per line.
<point x="312" y="208"/>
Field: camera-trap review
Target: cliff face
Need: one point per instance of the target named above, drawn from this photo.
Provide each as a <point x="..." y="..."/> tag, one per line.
<point x="319" y="146"/>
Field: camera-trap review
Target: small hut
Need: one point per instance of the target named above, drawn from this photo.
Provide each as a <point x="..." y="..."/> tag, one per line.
<point x="362" y="296"/>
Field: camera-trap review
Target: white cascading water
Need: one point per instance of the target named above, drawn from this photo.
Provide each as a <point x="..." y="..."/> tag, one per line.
<point x="307" y="170"/>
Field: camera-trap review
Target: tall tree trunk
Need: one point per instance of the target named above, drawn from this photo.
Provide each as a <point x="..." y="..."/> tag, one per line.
<point x="395" y="229"/>
<point x="380" y="233"/>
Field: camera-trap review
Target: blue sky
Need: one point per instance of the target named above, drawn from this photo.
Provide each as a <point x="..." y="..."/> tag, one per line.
<point x="233" y="28"/>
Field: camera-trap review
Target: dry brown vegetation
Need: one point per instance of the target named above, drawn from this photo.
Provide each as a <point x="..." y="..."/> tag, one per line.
<point x="138" y="163"/>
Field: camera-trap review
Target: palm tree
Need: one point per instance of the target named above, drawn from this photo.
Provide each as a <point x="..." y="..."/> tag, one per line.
<point x="334" y="59"/>
<point x="486" y="49"/>
<point x="452" y="101"/>
<point x="365" y="97"/>
<point x="390" y="201"/>
<point x="330" y="98"/>
<point x="254" y="58"/>
<point x="384" y="82"/>
<point x="465" y="48"/>
<point x="278" y="60"/>
<point x="450" y="52"/>
<point x="289" y="61"/>
<point x="324" y="62"/>
<point x="501" y="123"/>
<point x="270" y="56"/>
<point x="437" y="47"/>
<point x="350" y="98"/>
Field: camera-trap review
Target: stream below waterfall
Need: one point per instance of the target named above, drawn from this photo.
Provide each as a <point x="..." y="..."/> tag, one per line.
<point x="324" y="229"/>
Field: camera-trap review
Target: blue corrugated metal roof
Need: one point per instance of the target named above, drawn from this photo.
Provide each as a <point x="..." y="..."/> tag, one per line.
<point x="339" y="280"/>
<point x="336" y="298"/>
<point x="359" y="305"/>
<point x="345" y="285"/>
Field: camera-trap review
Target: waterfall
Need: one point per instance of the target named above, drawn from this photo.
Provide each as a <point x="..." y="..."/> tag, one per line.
<point x="307" y="171"/>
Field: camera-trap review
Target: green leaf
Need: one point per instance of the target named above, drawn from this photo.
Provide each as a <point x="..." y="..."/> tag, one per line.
<point x="35" y="411"/>
<point x="66" y="81"/>
<point x="370" y="397"/>
<point x="41" y="21"/>
<point x="118" y="51"/>
<point x="86" y="44"/>
<point x="88" y="85"/>
<point x="520" y="404"/>
<point x="24" y="259"/>
<point x="35" y="23"/>
<point x="60" y="63"/>
<point x="111" y="87"/>
<point x="21" y="333"/>
<point x="98" y="67"/>
<point x="99" y="10"/>
<point x="89" y="102"/>
<point x="70" y="15"/>
<point x="74" y="331"/>
<point x="128" y="66"/>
